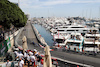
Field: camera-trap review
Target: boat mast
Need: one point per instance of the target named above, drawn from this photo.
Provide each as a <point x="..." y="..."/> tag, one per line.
<point x="83" y="13"/>
<point x="90" y="13"/>
<point x="99" y="13"/>
<point x="48" y="13"/>
<point x="86" y="14"/>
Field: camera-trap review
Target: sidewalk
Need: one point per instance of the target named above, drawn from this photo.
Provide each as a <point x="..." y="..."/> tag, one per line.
<point x="28" y="32"/>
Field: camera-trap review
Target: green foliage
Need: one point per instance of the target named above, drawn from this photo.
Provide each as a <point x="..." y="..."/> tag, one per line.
<point x="11" y="14"/>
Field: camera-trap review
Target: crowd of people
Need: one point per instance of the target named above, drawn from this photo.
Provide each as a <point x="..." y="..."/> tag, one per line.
<point x="27" y="58"/>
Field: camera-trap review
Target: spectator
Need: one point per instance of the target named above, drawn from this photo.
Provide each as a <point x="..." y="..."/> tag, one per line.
<point x="30" y="53"/>
<point x="20" y="55"/>
<point x="38" y="61"/>
<point x="21" y="63"/>
<point x="8" y="63"/>
<point x="28" y="59"/>
<point x="25" y="57"/>
<point x="16" y="53"/>
<point x="39" y="58"/>
<point x="41" y="65"/>
<point x="32" y="59"/>
<point x="35" y="52"/>
<point x="8" y="56"/>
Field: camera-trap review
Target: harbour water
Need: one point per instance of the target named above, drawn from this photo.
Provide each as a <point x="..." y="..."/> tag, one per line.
<point x="45" y="34"/>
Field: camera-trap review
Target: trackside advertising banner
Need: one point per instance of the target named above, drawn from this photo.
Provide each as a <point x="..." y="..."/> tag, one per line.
<point x="8" y="43"/>
<point x="4" y="46"/>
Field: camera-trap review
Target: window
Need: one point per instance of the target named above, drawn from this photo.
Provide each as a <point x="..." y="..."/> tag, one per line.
<point x="89" y="37"/>
<point x="59" y="40"/>
<point x="70" y="30"/>
<point x="89" y="45"/>
<point x="60" y="30"/>
<point x="73" y="44"/>
<point x="65" y="27"/>
<point x="84" y="30"/>
<point x="77" y="27"/>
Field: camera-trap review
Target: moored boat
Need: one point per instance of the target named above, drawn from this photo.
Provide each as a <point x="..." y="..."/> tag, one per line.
<point x="74" y="42"/>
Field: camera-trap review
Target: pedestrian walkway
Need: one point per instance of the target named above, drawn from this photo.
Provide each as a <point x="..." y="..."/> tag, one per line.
<point x="28" y="32"/>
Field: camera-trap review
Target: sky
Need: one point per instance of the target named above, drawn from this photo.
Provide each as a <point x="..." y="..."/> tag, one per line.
<point x="60" y="8"/>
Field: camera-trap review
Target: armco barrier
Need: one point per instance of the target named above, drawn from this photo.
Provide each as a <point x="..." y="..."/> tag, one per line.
<point x="67" y="63"/>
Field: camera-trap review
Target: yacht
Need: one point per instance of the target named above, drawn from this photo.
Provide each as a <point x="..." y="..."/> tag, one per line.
<point x="93" y="33"/>
<point x="74" y="42"/>
<point x="91" y="45"/>
<point x="59" y="40"/>
<point x="97" y="25"/>
<point x="72" y="28"/>
<point x="92" y="41"/>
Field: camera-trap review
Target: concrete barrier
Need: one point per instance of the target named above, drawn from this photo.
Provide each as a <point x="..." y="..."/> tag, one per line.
<point x="38" y="36"/>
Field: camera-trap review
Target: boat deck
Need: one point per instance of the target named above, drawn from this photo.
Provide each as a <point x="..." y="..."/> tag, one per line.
<point x="91" y="40"/>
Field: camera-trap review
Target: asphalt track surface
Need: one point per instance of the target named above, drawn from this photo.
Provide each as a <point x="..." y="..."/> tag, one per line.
<point x="28" y="32"/>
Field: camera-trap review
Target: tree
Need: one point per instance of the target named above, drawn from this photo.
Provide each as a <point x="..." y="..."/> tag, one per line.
<point x="11" y="14"/>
